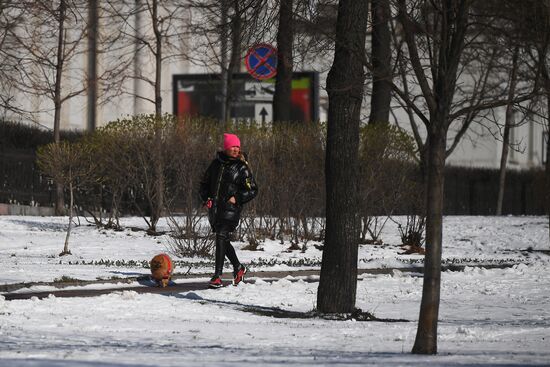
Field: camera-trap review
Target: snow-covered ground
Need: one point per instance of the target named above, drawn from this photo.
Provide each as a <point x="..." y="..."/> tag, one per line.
<point x="497" y="317"/>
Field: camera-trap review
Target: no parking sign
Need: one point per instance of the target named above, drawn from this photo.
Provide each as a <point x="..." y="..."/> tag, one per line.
<point x="261" y="61"/>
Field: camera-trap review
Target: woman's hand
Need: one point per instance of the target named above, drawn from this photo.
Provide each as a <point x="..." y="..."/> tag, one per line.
<point x="232" y="200"/>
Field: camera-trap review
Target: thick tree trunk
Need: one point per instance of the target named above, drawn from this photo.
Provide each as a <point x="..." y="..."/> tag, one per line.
<point x="426" y="336"/>
<point x="59" y="195"/>
<point x="546" y="79"/>
<point x="548" y="160"/>
<point x="381" y="60"/>
<point x="508" y="125"/>
<point x="283" y="81"/>
<point x="345" y="83"/>
<point x="235" y="59"/>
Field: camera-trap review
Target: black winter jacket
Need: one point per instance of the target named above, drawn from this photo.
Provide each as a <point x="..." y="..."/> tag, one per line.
<point x="224" y="178"/>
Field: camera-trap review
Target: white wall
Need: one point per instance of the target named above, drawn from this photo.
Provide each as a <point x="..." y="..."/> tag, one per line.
<point x="480" y="147"/>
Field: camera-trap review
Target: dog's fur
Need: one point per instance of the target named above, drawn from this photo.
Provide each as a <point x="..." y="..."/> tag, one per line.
<point x="161" y="269"/>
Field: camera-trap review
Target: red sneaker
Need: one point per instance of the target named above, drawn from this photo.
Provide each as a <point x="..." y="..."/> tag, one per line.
<point x="215" y="282"/>
<point x="238" y="275"/>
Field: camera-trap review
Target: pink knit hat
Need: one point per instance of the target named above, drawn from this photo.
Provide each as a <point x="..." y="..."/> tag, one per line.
<point x="231" y="140"/>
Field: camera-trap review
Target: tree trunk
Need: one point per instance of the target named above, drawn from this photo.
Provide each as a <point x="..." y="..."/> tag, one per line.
<point x="508" y="125"/>
<point x="548" y="160"/>
<point x="59" y="200"/>
<point x="381" y="60"/>
<point x="546" y="79"/>
<point x="283" y="81"/>
<point x="138" y="26"/>
<point x="452" y="28"/>
<point x="66" y="247"/>
<point x="158" y="60"/>
<point x="158" y="204"/>
<point x="235" y="59"/>
<point x="345" y="84"/>
<point x="92" y="64"/>
<point x="223" y="58"/>
<point x="426" y="336"/>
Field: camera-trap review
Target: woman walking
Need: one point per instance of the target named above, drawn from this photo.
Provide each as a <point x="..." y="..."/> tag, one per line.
<point x="226" y="185"/>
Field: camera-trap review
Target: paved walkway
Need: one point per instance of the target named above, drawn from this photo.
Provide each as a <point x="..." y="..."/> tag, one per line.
<point x="147" y="286"/>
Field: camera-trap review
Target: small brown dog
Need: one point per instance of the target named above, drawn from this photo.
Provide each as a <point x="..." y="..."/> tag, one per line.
<point x="161" y="269"/>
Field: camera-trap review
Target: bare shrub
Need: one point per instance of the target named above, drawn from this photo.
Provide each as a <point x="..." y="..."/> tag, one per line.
<point x="70" y="165"/>
<point x="412" y="233"/>
<point x="193" y="238"/>
<point x="287" y="160"/>
<point x="387" y="157"/>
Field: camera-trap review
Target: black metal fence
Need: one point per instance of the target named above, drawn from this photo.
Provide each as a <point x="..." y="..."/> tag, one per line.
<point x="21" y="182"/>
<point x="468" y="191"/>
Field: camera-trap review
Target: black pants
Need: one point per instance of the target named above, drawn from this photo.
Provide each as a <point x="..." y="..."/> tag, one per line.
<point x="223" y="249"/>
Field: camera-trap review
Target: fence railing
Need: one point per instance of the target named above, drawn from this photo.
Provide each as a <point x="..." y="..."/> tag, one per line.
<point x="21" y="182"/>
<point x="468" y="191"/>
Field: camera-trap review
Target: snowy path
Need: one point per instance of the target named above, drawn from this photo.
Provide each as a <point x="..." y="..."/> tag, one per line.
<point x="497" y="317"/>
<point x="190" y="283"/>
<point x="488" y="317"/>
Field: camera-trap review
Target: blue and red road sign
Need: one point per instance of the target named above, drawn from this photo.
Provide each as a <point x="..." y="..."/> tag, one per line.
<point x="261" y="61"/>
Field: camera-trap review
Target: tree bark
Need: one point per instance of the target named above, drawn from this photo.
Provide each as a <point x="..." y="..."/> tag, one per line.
<point x="158" y="204"/>
<point x="92" y="63"/>
<point x="381" y="60"/>
<point x="345" y="84"/>
<point x="283" y="81"/>
<point x="235" y="59"/>
<point x="449" y="43"/>
<point x="158" y="60"/>
<point x="426" y="336"/>
<point x="59" y="200"/>
<point x="66" y="246"/>
<point x="546" y="80"/>
<point x="138" y="26"/>
<point x="508" y="125"/>
<point x="548" y="160"/>
<point x="223" y="50"/>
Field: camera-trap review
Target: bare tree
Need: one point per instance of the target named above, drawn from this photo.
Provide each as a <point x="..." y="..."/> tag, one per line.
<point x="454" y="78"/>
<point x="92" y="75"/>
<point x="48" y="40"/>
<point x="156" y="31"/>
<point x="509" y="36"/>
<point x="451" y="22"/>
<point x="345" y="86"/>
<point x="11" y="16"/>
<point x="71" y="165"/>
<point x="542" y="53"/>
<point x="235" y="59"/>
<point x="381" y="62"/>
<point x="285" y="44"/>
<point x="508" y="125"/>
<point x="162" y="38"/>
<point x="221" y="31"/>
<point x="43" y="42"/>
<point x="536" y="32"/>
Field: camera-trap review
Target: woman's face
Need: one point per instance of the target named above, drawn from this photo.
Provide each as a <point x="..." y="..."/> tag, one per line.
<point x="233" y="152"/>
